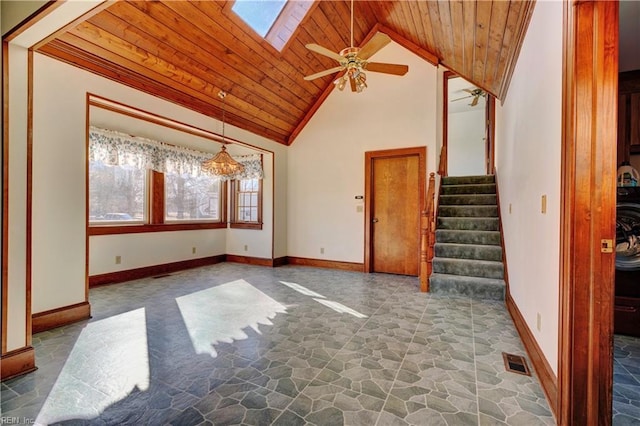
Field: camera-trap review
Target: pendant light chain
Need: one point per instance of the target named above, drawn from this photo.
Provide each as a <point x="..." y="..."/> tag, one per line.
<point x="222" y="95"/>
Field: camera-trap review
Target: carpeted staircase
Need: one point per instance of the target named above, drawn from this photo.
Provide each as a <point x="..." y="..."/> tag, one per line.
<point x="468" y="255"/>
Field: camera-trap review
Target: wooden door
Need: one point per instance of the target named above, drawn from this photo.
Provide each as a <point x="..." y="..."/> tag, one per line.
<point x="396" y="182"/>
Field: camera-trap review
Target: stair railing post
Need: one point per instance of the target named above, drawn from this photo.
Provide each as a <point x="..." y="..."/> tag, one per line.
<point x="427" y="232"/>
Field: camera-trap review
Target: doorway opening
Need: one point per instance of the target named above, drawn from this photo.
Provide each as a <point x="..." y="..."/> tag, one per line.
<point x="468" y="113"/>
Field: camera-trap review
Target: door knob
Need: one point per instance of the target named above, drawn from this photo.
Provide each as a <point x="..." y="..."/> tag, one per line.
<point x="375" y="220"/>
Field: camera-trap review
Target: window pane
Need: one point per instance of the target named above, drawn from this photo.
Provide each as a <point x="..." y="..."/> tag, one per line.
<point x="192" y="198"/>
<point x="259" y="14"/>
<point x="246" y="201"/>
<point x="116" y="193"/>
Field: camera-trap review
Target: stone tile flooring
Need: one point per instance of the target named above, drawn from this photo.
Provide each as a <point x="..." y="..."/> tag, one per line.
<point x="626" y="380"/>
<point x="238" y="344"/>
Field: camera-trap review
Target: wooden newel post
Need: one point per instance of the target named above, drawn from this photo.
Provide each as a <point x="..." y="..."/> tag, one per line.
<point x="427" y="235"/>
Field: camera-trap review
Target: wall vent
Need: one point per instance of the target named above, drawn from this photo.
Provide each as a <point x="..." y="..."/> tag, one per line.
<point x="515" y="364"/>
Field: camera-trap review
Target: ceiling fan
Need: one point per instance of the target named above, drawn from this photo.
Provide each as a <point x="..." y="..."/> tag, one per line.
<point x="355" y="61"/>
<point x="475" y="93"/>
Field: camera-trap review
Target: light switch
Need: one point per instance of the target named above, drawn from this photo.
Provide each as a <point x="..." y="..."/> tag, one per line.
<point x="544" y="204"/>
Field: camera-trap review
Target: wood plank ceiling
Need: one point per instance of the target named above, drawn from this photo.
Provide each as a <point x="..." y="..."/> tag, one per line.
<point x="187" y="51"/>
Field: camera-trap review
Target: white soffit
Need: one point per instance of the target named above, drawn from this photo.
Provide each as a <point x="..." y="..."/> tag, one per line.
<point x="52" y="22"/>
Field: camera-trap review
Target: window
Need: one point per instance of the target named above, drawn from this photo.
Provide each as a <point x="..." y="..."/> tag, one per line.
<point x="259" y="14"/>
<point x="141" y="185"/>
<point x="117" y="194"/>
<point x="246" y="203"/>
<point x="274" y="20"/>
<point x="192" y="198"/>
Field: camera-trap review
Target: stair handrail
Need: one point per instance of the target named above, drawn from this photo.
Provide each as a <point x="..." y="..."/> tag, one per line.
<point x="427" y="234"/>
<point x="442" y="165"/>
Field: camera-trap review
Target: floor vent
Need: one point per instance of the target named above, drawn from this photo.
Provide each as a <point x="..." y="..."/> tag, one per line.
<point x="515" y="364"/>
<point x="161" y="276"/>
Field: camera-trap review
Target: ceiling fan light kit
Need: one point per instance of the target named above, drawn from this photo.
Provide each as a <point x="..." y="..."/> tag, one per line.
<point x="353" y="61"/>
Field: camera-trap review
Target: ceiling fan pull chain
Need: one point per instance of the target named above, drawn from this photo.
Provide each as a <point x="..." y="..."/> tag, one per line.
<point x="351" y="23"/>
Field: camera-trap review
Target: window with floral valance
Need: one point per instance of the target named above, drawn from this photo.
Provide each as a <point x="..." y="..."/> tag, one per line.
<point x="114" y="148"/>
<point x="136" y="181"/>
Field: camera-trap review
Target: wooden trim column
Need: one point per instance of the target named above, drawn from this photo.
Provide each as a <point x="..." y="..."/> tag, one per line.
<point x="588" y="212"/>
<point x="5" y="193"/>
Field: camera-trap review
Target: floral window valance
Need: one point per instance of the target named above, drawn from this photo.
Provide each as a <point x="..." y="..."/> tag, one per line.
<point x="119" y="149"/>
<point x="252" y="167"/>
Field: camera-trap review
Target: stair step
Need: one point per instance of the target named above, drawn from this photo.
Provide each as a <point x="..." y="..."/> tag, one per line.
<point x="468" y="237"/>
<point x="468" y="211"/>
<point x="456" y="285"/>
<point x="469" y="251"/>
<point x="483" y="188"/>
<point x="467" y="199"/>
<point x="468" y="267"/>
<point x="469" y="223"/>
<point x="462" y="180"/>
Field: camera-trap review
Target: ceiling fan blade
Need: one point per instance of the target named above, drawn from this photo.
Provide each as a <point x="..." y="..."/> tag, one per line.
<point x="323" y="73"/>
<point x="377" y="42"/>
<point x="352" y="81"/>
<point x="459" y="99"/>
<point x="394" y="69"/>
<point x="324" y="51"/>
<point x="475" y="101"/>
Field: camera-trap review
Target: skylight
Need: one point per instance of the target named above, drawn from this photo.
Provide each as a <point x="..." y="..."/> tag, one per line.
<point x="259" y="14"/>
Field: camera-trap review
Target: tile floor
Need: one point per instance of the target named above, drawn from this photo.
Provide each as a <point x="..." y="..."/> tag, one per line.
<point x="626" y="380"/>
<point x="238" y="344"/>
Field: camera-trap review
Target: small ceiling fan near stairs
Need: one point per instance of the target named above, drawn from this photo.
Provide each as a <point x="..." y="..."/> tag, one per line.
<point x="474" y="93"/>
<point x="354" y="60"/>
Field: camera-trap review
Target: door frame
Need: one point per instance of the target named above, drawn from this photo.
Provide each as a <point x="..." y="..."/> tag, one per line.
<point x="588" y="212"/>
<point x="370" y="156"/>
<point x="490" y="126"/>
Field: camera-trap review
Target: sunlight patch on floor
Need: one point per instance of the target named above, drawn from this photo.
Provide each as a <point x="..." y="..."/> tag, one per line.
<point x="338" y="307"/>
<point x="302" y="289"/>
<point x="107" y="362"/>
<point x="219" y="314"/>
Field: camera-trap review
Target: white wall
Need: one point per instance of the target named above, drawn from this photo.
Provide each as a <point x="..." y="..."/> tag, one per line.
<point x="17" y="201"/>
<point x="17" y="278"/>
<point x="326" y="161"/>
<point x="59" y="161"/>
<point x="528" y="148"/>
<point x="155" y="248"/>
<point x="466" y="142"/>
<point x="258" y="243"/>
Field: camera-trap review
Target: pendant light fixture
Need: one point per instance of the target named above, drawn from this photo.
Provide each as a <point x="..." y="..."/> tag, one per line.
<point x="222" y="164"/>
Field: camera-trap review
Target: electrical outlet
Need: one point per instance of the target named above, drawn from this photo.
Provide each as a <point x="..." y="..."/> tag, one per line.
<point x="321" y="250"/>
<point x="118" y="260"/>
<point x="509" y="208"/>
<point x="193" y="250"/>
<point x="246" y="247"/>
<point x="544" y="204"/>
<point x="539" y="322"/>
